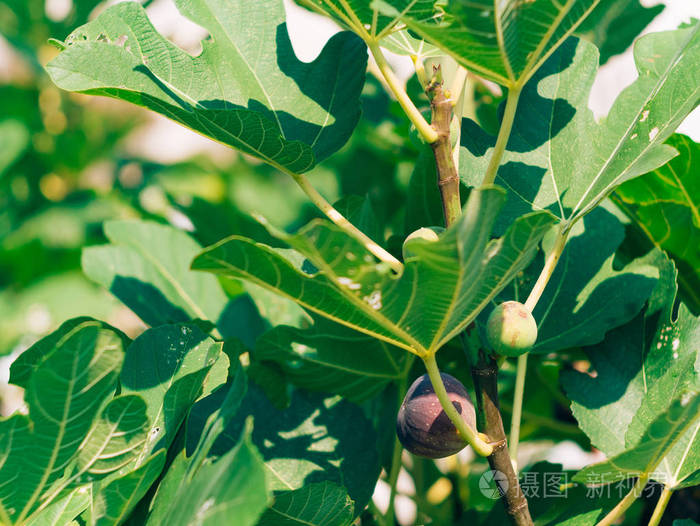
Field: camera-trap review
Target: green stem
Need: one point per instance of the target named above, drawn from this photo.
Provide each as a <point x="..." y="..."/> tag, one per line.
<point x="419" y="66"/>
<point x="481" y="447"/>
<point x="398" y="450"/>
<point x="517" y="406"/>
<point x="549" y="266"/>
<point x="393" y="477"/>
<point x="625" y="503"/>
<point x="660" y="507"/>
<point x="340" y="220"/>
<point x="535" y="294"/>
<point x="415" y="116"/>
<point x="503" y="136"/>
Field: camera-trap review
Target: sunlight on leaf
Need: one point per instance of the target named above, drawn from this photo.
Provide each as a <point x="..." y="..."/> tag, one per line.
<point x="439" y="293"/>
<point x="286" y="112"/>
<point x="558" y="157"/>
<point x="642" y="408"/>
<point x="665" y="205"/>
<point x="501" y="41"/>
<point x="64" y="394"/>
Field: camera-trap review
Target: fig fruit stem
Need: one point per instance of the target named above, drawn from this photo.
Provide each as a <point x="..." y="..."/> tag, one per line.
<point x="503" y="136"/>
<point x="481" y="447"/>
<point x="442" y="107"/>
<point x="625" y="503"/>
<point x="660" y="507"/>
<point x="485" y="375"/>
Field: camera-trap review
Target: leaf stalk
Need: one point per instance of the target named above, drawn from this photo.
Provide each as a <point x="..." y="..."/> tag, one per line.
<point x="548" y="269"/>
<point x="481" y="447"/>
<point x="660" y="507"/>
<point x="626" y="502"/>
<point x="517" y="407"/>
<point x="503" y="136"/>
<point x="534" y="296"/>
<point x="340" y="220"/>
<point x="424" y="129"/>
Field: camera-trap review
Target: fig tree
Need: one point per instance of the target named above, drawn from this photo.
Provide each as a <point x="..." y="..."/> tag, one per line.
<point x="511" y="330"/>
<point x="422" y="425"/>
<point x="425" y="233"/>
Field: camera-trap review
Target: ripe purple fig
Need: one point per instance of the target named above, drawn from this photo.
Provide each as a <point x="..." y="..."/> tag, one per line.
<point x="422" y="425"/>
<point x="511" y="330"/>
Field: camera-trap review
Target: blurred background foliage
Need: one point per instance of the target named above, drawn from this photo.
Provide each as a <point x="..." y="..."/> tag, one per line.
<point x="68" y="163"/>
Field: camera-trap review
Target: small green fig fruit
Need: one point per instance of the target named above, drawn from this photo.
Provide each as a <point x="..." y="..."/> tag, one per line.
<point x="425" y="233"/>
<point x="422" y="425"/>
<point x="511" y="330"/>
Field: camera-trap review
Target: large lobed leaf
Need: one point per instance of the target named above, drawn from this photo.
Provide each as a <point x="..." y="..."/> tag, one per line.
<point x="286" y="112"/>
<point x="367" y="17"/>
<point x="587" y="295"/>
<point x="642" y="406"/>
<point x="168" y="366"/>
<point x="614" y="24"/>
<point x="665" y="205"/>
<point x="314" y="440"/>
<point x="439" y="293"/>
<point x="502" y="41"/>
<point x="146" y="267"/>
<point x="231" y="486"/>
<point x="64" y="394"/>
<point x="332" y="358"/>
<point x="558" y="157"/>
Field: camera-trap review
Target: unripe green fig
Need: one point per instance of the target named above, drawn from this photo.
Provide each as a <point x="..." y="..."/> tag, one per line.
<point x="511" y="330"/>
<point x="425" y="233"/>
<point x="422" y="425"/>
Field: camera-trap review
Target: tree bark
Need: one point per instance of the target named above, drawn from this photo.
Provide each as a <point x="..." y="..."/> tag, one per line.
<point x="485" y="375"/>
<point x="448" y="179"/>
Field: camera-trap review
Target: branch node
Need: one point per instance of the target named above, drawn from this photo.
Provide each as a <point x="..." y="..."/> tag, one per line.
<point x="448" y="178"/>
<point x="499" y="444"/>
